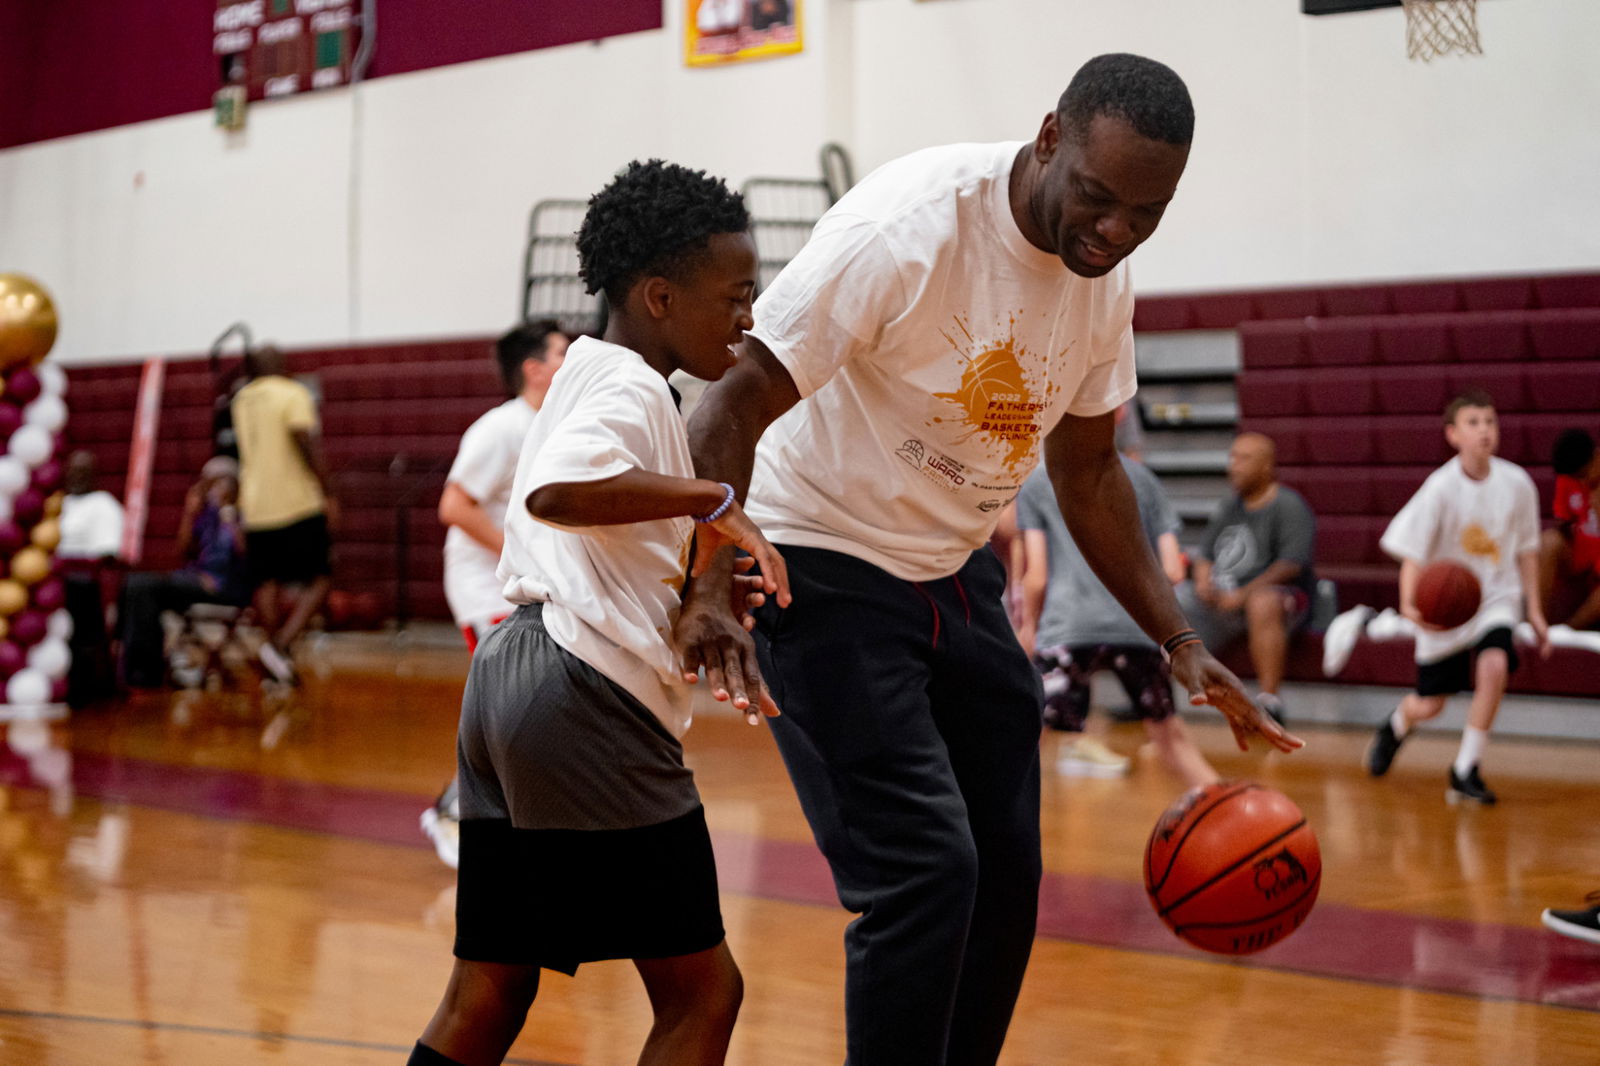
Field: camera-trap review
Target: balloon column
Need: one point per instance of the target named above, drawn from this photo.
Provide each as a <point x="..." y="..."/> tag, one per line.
<point x="34" y="624"/>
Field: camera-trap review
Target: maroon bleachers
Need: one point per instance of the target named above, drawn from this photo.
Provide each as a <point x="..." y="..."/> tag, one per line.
<point x="1227" y="310"/>
<point x="1355" y="403"/>
<point x="392" y="416"/>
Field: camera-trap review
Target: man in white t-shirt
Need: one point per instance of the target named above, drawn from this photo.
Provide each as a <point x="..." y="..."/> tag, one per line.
<point x="1482" y="512"/>
<point x="473" y="506"/>
<point x="961" y="309"/>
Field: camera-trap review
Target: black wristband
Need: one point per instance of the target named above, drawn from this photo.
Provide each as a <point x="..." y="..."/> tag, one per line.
<point x="1178" y="640"/>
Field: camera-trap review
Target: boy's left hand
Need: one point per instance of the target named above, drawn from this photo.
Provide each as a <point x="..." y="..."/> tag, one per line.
<point x="1541" y="629"/>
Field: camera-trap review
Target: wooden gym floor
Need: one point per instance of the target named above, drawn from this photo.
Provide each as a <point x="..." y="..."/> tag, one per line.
<point x="195" y="879"/>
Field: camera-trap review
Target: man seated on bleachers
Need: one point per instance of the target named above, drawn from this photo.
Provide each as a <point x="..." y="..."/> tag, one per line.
<point x="1252" y="574"/>
<point x="1569" y="553"/>
<point x="91" y="542"/>
<point x="211" y="542"/>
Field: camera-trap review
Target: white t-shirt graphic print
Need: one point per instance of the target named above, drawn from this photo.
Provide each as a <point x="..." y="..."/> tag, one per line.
<point x="934" y="348"/>
<point x="611" y="593"/>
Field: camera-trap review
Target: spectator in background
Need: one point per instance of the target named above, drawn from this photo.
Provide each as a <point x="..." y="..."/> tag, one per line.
<point x="211" y="542"/>
<point x="1252" y="574"/>
<point x="91" y="519"/>
<point x="1569" y="554"/>
<point x="91" y="542"/>
<point x="1073" y="627"/>
<point x="285" y="500"/>
<point x="477" y="491"/>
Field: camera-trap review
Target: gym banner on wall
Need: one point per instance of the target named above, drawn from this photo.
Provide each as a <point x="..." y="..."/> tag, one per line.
<point x="732" y="31"/>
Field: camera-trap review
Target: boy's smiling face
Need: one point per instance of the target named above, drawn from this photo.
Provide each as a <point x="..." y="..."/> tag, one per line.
<point x="711" y="308"/>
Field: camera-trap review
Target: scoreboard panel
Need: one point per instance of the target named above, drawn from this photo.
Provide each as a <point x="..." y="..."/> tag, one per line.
<point x="273" y="48"/>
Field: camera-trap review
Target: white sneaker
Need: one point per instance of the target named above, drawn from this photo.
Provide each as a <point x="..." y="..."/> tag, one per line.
<point x="1087" y="757"/>
<point x="1390" y="624"/>
<point x="1564" y="636"/>
<point x="279" y="665"/>
<point x="445" y="832"/>
<point x="1340" y="640"/>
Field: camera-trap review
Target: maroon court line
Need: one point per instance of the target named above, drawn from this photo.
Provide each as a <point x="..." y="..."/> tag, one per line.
<point x="1480" y="959"/>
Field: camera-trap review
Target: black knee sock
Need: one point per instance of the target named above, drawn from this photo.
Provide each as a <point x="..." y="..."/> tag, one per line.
<point x="422" y="1055"/>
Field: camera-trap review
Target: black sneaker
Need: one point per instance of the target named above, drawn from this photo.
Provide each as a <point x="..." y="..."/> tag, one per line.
<point x="1380" y="755"/>
<point x="1581" y="925"/>
<point x="1270" y="703"/>
<point x="1470" y="787"/>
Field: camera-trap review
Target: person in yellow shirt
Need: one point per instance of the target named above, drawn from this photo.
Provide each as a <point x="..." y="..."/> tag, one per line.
<point x="284" y="502"/>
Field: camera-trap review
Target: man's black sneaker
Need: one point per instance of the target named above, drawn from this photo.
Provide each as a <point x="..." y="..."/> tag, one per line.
<point x="1270" y="703"/>
<point x="1470" y="787"/>
<point x="1380" y="754"/>
<point x="1581" y="925"/>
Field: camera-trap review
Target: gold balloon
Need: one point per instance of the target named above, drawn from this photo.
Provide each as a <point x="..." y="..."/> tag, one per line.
<point x="5" y="627"/>
<point x="13" y="597"/>
<point x="46" y="535"/>
<point x="30" y="566"/>
<point x="52" y="504"/>
<point x="27" y="321"/>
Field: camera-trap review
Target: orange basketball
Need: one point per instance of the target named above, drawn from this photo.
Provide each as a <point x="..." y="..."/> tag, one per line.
<point x="1447" y="594"/>
<point x="1232" y="867"/>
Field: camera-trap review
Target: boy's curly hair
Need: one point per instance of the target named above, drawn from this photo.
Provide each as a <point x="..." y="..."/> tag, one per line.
<point x="654" y="218"/>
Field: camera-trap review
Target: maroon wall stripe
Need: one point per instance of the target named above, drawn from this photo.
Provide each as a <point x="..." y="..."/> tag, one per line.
<point x="72" y="66"/>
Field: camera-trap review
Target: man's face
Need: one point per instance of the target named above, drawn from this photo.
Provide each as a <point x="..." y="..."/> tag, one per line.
<point x="711" y="309"/>
<point x="1475" y="432"/>
<point x="1103" y="193"/>
<point x="1249" y="465"/>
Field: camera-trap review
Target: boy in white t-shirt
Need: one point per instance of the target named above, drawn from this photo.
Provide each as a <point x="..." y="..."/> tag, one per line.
<point x="960" y="312"/>
<point x="582" y="833"/>
<point x="1483" y="512"/>
<point x="473" y="507"/>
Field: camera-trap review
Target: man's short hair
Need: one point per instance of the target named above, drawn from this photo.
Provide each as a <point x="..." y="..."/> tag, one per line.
<point x="1147" y="95"/>
<point x="527" y="341"/>
<point x="1467" y="398"/>
<point x="654" y="219"/>
<point x="1573" y="450"/>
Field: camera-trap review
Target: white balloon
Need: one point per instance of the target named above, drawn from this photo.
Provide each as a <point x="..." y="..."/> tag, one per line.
<point x="52" y="379"/>
<point x="28" y="688"/>
<point x="32" y="445"/>
<point x="46" y="411"/>
<point x="60" y="624"/>
<point x="50" y="657"/>
<point x="13" y="474"/>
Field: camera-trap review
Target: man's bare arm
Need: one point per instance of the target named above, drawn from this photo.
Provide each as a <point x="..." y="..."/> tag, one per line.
<point x="723" y="431"/>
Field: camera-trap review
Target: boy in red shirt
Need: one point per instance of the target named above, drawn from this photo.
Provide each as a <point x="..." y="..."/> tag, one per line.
<point x="1569" y="554"/>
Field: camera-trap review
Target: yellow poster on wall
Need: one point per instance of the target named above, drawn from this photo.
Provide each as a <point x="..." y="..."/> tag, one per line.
<point x="732" y="31"/>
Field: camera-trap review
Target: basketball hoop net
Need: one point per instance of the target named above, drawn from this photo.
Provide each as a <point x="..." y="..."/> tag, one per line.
<point x="1439" y="27"/>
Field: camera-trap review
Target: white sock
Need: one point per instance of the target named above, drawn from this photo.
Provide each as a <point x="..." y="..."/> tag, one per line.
<point x="1473" y="742"/>
<point x="1398" y="723"/>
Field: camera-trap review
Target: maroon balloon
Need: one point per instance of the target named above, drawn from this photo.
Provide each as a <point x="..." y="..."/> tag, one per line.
<point x="58" y="690"/>
<point x="11" y="538"/>
<point x="29" y="627"/>
<point x="12" y="658"/>
<point x="47" y="475"/>
<point x="50" y="594"/>
<point x="28" y="507"/>
<point x="22" y="386"/>
<point x="10" y="419"/>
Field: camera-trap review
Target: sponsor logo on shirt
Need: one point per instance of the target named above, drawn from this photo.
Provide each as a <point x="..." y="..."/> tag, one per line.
<point x="935" y="466"/>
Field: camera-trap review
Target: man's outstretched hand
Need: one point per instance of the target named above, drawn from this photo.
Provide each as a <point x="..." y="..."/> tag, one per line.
<point x="1209" y="682"/>
<point x="712" y="634"/>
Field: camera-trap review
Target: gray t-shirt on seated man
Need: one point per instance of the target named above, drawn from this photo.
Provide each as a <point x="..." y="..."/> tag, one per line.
<point x="1077" y="608"/>
<point x="1241" y="543"/>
